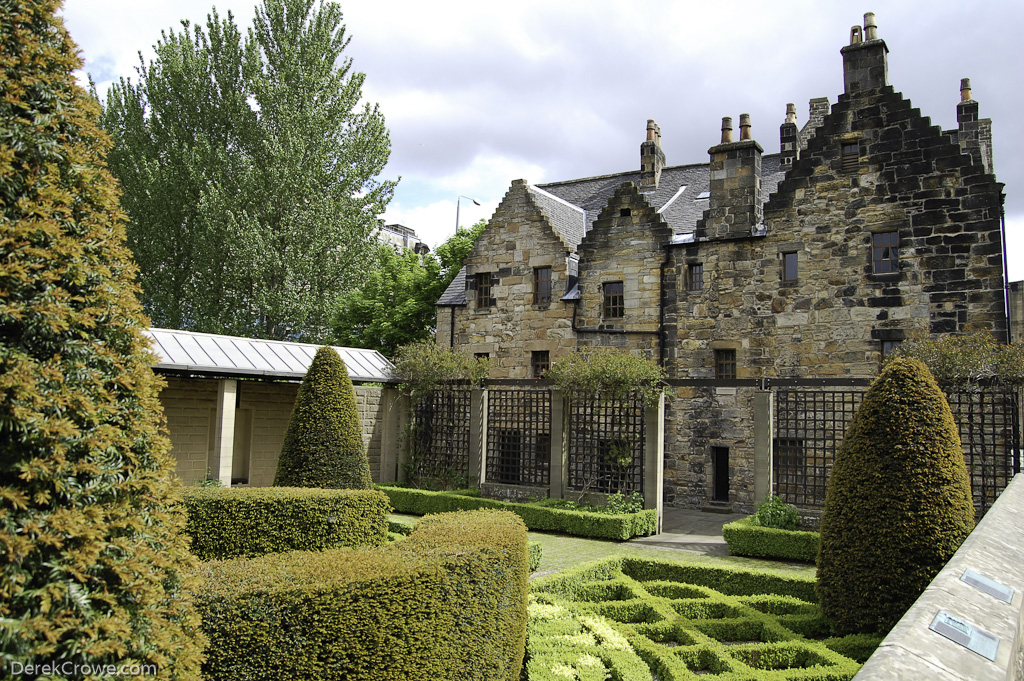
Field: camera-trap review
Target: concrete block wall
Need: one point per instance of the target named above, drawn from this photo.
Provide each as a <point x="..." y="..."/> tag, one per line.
<point x="190" y="409"/>
<point x="912" y="651"/>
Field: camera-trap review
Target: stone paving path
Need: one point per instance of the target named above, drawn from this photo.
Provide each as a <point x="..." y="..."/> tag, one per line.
<point x="686" y="535"/>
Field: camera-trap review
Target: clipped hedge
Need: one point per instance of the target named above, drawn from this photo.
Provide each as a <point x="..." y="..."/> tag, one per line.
<point x="638" y="619"/>
<point x="538" y="518"/>
<point x="226" y="522"/>
<point x="536" y="553"/>
<point x="747" y="539"/>
<point x="449" y="602"/>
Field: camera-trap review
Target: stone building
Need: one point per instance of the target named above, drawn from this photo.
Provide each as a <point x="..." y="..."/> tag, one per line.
<point x="870" y="225"/>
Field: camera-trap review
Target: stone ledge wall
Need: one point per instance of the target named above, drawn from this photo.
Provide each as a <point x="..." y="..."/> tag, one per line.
<point x="996" y="550"/>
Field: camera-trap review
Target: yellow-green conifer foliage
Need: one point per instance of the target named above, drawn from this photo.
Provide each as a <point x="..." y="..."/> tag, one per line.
<point x="898" y="504"/>
<point x="92" y="565"/>
<point x="324" y="443"/>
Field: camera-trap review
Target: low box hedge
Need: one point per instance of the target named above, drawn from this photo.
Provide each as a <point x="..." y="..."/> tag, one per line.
<point x="747" y="539"/>
<point x="538" y="518"/>
<point x="449" y="602"/>
<point x="225" y="522"/>
<point x="636" y="618"/>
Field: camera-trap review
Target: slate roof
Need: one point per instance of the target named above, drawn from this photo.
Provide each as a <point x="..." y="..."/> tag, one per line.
<point x="681" y="209"/>
<point x="568" y="219"/>
<point x="676" y="198"/>
<point x="455" y="294"/>
<point x="227" y="356"/>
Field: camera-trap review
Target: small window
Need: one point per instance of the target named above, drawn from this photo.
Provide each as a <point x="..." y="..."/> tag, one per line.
<point x="541" y="285"/>
<point x="850" y="157"/>
<point x="614" y="302"/>
<point x="725" y="364"/>
<point x="483" y="290"/>
<point x="789" y="267"/>
<point x="540" y="361"/>
<point x="888" y="346"/>
<point x="625" y="212"/>
<point x="885" y="255"/>
<point x="482" y="355"/>
<point x="695" y="277"/>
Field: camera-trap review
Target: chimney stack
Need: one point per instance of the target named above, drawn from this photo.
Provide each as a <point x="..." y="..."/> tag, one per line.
<point x="865" y="65"/>
<point x="735" y="200"/>
<point x="974" y="134"/>
<point x="652" y="158"/>
<point x="789" y="144"/>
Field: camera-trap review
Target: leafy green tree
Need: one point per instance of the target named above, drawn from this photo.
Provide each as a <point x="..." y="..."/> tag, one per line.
<point x="250" y="171"/>
<point x="396" y="304"/>
<point x="94" y="567"/>
<point x="323" y="446"/>
<point x="963" y="361"/>
<point x="898" y="504"/>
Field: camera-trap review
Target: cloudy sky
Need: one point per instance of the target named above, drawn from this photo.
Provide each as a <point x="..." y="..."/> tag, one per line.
<point x="477" y="94"/>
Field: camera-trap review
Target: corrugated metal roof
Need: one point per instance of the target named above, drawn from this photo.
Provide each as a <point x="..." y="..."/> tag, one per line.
<point x="207" y="353"/>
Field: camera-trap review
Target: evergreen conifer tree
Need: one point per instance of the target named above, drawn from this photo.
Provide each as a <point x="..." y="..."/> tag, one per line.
<point x="92" y="563"/>
<point x="324" y="444"/>
<point x="898" y="504"/>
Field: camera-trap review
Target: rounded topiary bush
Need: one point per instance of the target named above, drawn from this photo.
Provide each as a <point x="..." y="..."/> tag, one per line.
<point x="94" y="566"/>
<point x="324" y="443"/>
<point x="898" y="504"/>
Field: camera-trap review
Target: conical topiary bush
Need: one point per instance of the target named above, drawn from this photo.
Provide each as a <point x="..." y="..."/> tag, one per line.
<point x="93" y="568"/>
<point x="898" y="504"/>
<point x="324" y="444"/>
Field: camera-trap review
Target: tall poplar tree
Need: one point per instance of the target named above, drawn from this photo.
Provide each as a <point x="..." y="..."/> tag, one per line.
<point x="250" y="172"/>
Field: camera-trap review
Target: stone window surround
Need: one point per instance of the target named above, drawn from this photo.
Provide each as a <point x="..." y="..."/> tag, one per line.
<point x="695" y="276"/>
<point x="719" y="347"/>
<point x="613" y="302"/>
<point x="542" y="285"/>
<point x="790" y="266"/>
<point x="885" y="252"/>
<point x="540" y="362"/>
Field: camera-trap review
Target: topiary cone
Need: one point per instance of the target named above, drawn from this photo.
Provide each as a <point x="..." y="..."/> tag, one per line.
<point x="94" y="567"/>
<point x="324" y="443"/>
<point x="898" y="504"/>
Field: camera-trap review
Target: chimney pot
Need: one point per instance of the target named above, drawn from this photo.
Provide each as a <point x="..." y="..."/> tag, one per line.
<point x="870" y="27"/>
<point x="855" y="38"/>
<point x="744" y="127"/>
<point x="791" y="113"/>
<point x="965" y="89"/>
<point x="652" y="134"/>
<point x="726" y="129"/>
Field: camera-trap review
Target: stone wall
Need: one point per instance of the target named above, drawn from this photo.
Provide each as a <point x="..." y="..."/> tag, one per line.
<point x="519" y="238"/>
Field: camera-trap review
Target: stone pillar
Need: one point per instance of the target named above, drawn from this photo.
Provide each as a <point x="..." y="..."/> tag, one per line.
<point x="558" y="466"/>
<point x="393" y="405"/>
<point x="224" y="431"/>
<point x="789" y="144"/>
<point x="654" y="457"/>
<point x="735" y="201"/>
<point x="477" y="437"/>
<point x="865" y="64"/>
<point x="652" y="158"/>
<point x="764" y="428"/>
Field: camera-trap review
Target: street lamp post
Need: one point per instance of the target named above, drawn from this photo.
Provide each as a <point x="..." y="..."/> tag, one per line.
<point x="457" y="202"/>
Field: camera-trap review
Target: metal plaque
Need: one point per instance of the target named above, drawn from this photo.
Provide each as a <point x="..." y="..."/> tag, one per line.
<point x="974" y="639"/>
<point x="991" y="587"/>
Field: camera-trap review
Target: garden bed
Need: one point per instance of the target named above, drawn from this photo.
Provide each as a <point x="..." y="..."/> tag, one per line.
<point x="638" y="619"/>
<point x="619" y="526"/>
<point x="747" y="539"/>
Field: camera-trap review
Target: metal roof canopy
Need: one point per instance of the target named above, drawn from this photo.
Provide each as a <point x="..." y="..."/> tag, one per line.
<point x="216" y="355"/>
